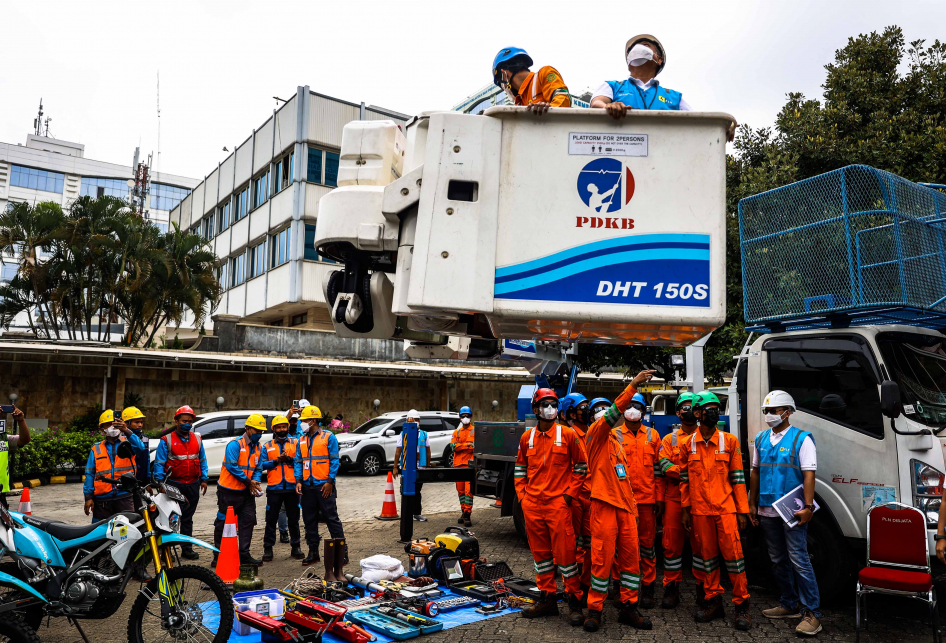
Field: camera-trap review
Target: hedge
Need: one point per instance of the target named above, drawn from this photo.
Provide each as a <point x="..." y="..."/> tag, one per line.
<point x="54" y="452"/>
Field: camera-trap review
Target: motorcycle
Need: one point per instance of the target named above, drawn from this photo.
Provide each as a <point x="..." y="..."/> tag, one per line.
<point x="82" y="571"/>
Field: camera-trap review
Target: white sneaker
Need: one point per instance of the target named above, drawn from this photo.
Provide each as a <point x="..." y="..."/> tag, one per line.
<point x="420" y="518"/>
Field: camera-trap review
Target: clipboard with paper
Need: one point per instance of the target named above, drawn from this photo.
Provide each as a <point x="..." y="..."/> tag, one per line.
<point x="793" y="501"/>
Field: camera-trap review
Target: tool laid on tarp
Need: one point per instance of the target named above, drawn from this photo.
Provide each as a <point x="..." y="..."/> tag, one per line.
<point x="426" y="625"/>
<point x="386" y="625"/>
<point x="272" y="630"/>
<point x="340" y="628"/>
<point x="455" y="603"/>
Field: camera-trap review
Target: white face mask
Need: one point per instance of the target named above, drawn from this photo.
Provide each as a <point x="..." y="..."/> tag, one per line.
<point x="639" y="55"/>
<point x="548" y="412"/>
<point x="465" y="421"/>
<point x="632" y="415"/>
<point x="600" y="414"/>
<point x="112" y="433"/>
<point x="773" y="420"/>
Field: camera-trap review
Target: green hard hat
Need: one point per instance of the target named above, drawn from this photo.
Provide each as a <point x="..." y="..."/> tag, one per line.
<point x="685" y="398"/>
<point x="705" y="397"/>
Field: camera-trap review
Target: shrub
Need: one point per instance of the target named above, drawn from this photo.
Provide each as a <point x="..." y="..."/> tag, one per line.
<point x="87" y="422"/>
<point x="55" y="452"/>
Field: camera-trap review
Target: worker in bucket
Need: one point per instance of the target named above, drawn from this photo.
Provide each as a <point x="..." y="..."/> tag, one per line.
<point x="549" y="473"/>
<point x="716" y="508"/>
<point x="538" y="90"/>
<point x="674" y="534"/>
<point x="614" y="539"/>
<point x="576" y="411"/>
<point x="784" y="458"/>
<point x="642" y="448"/>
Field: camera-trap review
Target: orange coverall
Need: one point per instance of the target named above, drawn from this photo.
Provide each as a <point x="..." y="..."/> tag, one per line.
<point x="581" y="518"/>
<point x="544" y="86"/>
<point x="674" y="533"/>
<point x="462" y="453"/>
<point x="642" y="450"/>
<point x="713" y="486"/>
<point x="550" y="465"/>
<point x="613" y="508"/>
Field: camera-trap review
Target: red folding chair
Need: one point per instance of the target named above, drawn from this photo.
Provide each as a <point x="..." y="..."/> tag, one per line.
<point x="898" y="559"/>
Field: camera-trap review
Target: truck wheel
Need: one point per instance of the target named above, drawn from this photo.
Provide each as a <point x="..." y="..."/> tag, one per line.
<point x="370" y="463"/>
<point x="448" y="456"/>
<point x="518" y="519"/>
<point x="829" y="558"/>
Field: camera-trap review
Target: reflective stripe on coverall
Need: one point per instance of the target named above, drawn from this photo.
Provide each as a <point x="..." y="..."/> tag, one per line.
<point x="462" y="454"/>
<point x="641" y="450"/>
<point x="674" y="534"/>
<point x="713" y="486"/>
<point x="544" y="86"/>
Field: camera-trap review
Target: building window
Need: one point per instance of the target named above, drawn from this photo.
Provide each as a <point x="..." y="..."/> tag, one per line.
<point x="309" y="253"/>
<point x="162" y="225"/>
<point x="280" y="245"/>
<point x="7" y="272"/>
<point x="261" y="190"/>
<point x="242" y="203"/>
<point x="314" y="169"/>
<point x="223" y="217"/>
<point x="237" y="274"/>
<point x="331" y="169"/>
<point x="278" y="322"/>
<point x="222" y="276"/>
<point x="27" y="177"/>
<point x="207" y="227"/>
<point x="95" y="188"/>
<point x="166" y="197"/>
<point x="298" y="320"/>
<point x="319" y="159"/>
<point x="256" y="262"/>
<point x="283" y="176"/>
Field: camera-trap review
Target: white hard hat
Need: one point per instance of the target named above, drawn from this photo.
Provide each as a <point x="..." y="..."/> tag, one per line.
<point x="778" y="398"/>
<point x="413" y="415"/>
<point x="304" y="403"/>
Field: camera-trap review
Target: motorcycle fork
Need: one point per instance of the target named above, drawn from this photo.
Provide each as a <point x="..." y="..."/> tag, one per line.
<point x="160" y="570"/>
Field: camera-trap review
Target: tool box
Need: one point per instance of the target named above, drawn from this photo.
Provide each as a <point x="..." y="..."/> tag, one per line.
<point x="382" y="624"/>
<point x="426" y="625"/>
<point x="460" y="541"/>
<point x="489" y="572"/>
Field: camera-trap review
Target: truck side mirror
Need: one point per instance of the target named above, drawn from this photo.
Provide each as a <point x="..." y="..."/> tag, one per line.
<point x="890" y="404"/>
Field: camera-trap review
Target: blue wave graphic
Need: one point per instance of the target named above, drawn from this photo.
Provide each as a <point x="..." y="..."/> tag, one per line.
<point x="653" y="254"/>
<point x="597" y="246"/>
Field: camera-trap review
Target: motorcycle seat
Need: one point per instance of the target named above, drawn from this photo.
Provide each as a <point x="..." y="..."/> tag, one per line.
<point x="64" y="531"/>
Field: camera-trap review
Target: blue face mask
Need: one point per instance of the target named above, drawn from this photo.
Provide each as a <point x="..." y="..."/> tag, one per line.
<point x="255" y="438"/>
<point x="184" y="427"/>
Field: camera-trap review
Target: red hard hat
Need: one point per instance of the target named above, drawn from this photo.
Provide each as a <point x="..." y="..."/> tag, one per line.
<point x="543" y="393"/>
<point x="184" y="409"/>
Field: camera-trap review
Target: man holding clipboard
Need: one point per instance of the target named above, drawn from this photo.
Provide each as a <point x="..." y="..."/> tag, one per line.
<point x="784" y="458"/>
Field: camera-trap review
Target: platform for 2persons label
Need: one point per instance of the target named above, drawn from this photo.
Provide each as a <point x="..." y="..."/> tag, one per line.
<point x="607" y="144"/>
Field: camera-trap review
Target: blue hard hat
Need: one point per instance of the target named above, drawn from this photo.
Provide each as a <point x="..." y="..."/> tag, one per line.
<point x="599" y="400"/>
<point x="572" y="400"/>
<point x="466" y="410"/>
<point x="639" y="399"/>
<point x="505" y="55"/>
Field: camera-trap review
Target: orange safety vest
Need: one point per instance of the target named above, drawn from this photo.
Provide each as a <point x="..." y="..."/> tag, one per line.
<point x="281" y="472"/>
<point x="105" y="467"/>
<point x="183" y="457"/>
<point x="463" y="445"/>
<point x="248" y="461"/>
<point x="315" y="464"/>
<point x="545" y="85"/>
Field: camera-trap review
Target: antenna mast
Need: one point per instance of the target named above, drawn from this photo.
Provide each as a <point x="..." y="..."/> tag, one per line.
<point x="38" y="121"/>
<point x="157" y="161"/>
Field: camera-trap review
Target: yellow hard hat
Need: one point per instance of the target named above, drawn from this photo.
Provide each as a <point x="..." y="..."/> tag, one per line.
<point x="311" y="413"/>
<point x="132" y="413"/>
<point x="256" y="421"/>
<point x="108" y="415"/>
<point x="280" y="419"/>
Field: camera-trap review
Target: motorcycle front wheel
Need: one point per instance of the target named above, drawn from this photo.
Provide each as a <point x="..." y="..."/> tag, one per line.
<point x="13" y="629"/>
<point x="202" y="610"/>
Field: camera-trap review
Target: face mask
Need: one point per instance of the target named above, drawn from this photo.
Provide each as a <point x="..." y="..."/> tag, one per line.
<point x="254" y="438"/>
<point x="639" y="55"/>
<point x="584" y="415"/>
<point x="710" y="417"/>
<point x="112" y="433"/>
<point x="632" y="415"/>
<point x="688" y="416"/>
<point x="773" y="419"/>
<point x="465" y="421"/>
<point x="548" y="412"/>
<point x="282" y="435"/>
<point x="184" y="427"/>
<point x="506" y="84"/>
<point x="600" y="414"/>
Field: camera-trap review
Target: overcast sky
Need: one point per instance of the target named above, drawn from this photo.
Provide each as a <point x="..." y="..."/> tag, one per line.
<point x="95" y="63"/>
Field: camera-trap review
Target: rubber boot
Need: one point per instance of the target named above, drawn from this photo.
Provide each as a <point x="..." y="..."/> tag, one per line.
<point x="575" y="616"/>
<point x="646" y="601"/>
<point x="284" y="537"/>
<point x="267" y="554"/>
<point x="297" y="552"/>
<point x="584" y="595"/>
<point x="594" y="620"/>
<point x="712" y="611"/>
<point x="630" y="615"/>
<point x="671" y="596"/>
<point x="547" y="605"/>
<point x="329" y="556"/>
<point x="700" y="596"/>
<point x="743" y="620"/>
<point x="341" y="558"/>
<point x="461" y="518"/>
<point x="312" y="557"/>
<point x="467" y="519"/>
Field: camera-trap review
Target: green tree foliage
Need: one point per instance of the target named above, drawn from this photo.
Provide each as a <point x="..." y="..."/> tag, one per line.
<point x="100" y="261"/>
<point x="55" y="453"/>
<point x="884" y="105"/>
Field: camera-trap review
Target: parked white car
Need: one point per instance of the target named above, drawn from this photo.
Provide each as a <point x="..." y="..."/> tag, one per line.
<point x="370" y="447"/>
<point x="219" y="428"/>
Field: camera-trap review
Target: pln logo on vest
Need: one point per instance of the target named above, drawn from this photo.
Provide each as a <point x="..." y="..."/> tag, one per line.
<point x="605" y="185"/>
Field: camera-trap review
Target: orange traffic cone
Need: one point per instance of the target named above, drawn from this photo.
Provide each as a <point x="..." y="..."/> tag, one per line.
<point x="498" y="504"/>
<point x="228" y="561"/>
<point x="389" y="508"/>
<point x="26" y="507"/>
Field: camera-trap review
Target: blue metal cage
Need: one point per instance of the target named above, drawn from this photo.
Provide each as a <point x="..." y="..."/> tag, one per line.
<point x="852" y="247"/>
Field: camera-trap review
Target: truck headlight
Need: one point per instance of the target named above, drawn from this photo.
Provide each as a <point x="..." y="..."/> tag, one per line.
<point x="927" y="490"/>
<point x="346" y="445"/>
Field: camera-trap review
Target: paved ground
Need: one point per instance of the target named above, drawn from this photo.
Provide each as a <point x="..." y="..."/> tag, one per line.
<point x="892" y="620"/>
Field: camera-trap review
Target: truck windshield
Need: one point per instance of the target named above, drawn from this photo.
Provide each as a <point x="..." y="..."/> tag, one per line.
<point x="918" y="364"/>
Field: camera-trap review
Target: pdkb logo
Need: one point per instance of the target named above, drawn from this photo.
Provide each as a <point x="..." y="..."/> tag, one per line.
<point x="605" y="185"/>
